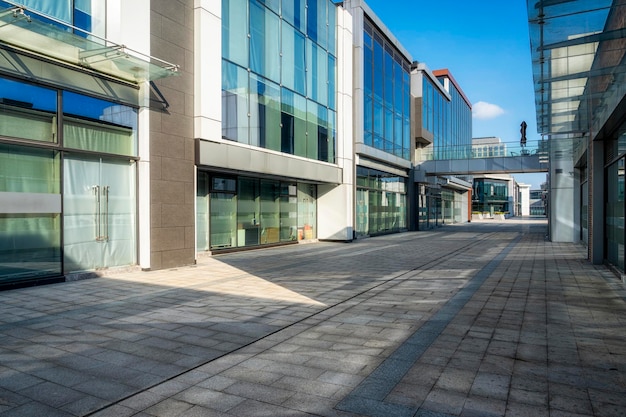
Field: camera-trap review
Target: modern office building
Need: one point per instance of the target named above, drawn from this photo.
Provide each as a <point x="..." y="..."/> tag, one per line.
<point x="382" y="124"/>
<point x="442" y="128"/>
<point x="271" y="151"/>
<point x="578" y="63"/>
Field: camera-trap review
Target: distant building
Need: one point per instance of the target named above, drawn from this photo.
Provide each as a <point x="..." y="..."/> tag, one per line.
<point x="488" y="147"/>
<point x="441" y="128"/>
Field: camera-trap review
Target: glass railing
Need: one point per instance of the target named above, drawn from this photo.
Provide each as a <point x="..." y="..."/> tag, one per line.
<point x="539" y="148"/>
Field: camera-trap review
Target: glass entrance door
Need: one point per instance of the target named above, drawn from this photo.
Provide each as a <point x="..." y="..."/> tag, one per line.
<point x="98" y="213"/>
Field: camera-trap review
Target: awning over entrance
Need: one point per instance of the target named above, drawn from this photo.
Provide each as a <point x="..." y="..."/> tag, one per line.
<point x="20" y="28"/>
<point x="578" y="63"/>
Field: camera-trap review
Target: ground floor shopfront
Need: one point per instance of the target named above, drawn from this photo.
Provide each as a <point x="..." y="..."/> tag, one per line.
<point x="68" y="182"/>
<point x="381" y="202"/>
<point x="437" y="206"/>
<point x="246" y="211"/>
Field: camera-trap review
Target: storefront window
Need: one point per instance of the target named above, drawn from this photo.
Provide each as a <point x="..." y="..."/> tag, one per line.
<point x="246" y="211"/>
<point x="382" y="201"/>
<point x="27" y="111"/>
<point x="97" y="125"/>
<point x="30" y="219"/>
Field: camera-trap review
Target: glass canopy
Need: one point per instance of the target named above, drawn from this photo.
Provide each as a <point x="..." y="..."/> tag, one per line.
<point x="55" y="39"/>
<point x="577" y="51"/>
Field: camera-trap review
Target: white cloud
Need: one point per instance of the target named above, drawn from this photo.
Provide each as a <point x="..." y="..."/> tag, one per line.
<point x="482" y="110"/>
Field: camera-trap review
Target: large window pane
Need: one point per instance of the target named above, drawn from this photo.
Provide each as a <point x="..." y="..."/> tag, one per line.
<point x="265" y="114"/>
<point x="235" y="31"/>
<point x="322" y="22"/>
<point x="288" y="212"/>
<point x="264" y="42"/>
<point x="332" y="22"/>
<point x="29" y="242"/>
<point x="235" y="102"/>
<point x="294" y="12"/>
<point x="322" y="76"/>
<point x="27" y="170"/>
<point x="307" y="211"/>
<point x="293" y="59"/>
<point x="30" y="246"/>
<point x="248" y="212"/>
<point x="202" y="212"/>
<point x="98" y="125"/>
<point x="270" y="212"/>
<point x="312" y="129"/>
<point x="27" y="111"/>
<point x="223" y="227"/>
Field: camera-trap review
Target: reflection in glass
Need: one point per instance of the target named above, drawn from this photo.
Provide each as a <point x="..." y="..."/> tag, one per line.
<point x="27" y="111"/>
<point x="270" y="212"/>
<point x="99" y="125"/>
<point x="223" y="222"/>
<point x="248" y="212"/>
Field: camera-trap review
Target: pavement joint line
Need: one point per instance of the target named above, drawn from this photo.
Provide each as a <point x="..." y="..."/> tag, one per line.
<point x="368" y="397"/>
<point x="346" y="303"/>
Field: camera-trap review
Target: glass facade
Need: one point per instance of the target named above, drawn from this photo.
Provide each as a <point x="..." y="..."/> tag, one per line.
<point x="491" y="196"/>
<point x="387" y="95"/>
<point x="244" y="211"/>
<point x="67" y="169"/>
<point x="380" y="202"/>
<point x="450" y="121"/>
<point x="279" y="76"/>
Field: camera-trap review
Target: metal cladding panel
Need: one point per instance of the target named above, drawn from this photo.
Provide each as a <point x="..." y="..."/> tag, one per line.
<point x="245" y="159"/>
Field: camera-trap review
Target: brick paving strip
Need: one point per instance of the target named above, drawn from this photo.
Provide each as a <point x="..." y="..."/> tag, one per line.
<point x="368" y="398"/>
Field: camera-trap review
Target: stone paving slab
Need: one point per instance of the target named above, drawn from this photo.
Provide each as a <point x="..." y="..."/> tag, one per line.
<point x="481" y="319"/>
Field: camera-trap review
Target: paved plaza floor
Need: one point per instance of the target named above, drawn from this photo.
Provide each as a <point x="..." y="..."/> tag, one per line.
<point x="480" y="319"/>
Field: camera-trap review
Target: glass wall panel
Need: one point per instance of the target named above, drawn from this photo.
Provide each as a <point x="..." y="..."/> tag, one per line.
<point x="235" y="31"/>
<point x="322" y="76"/>
<point x="322" y="22"/>
<point x="223" y="209"/>
<point x="27" y="111"/>
<point x="312" y="130"/>
<point x="202" y="212"/>
<point x="99" y="219"/>
<point x="30" y="246"/>
<point x="248" y="212"/>
<point x="311" y="19"/>
<point x="265" y="114"/>
<point x="332" y="64"/>
<point x="98" y="125"/>
<point x="28" y="170"/>
<point x="293" y="60"/>
<point x="381" y="202"/>
<point x="294" y="12"/>
<point x="235" y="94"/>
<point x="30" y="243"/>
<point x="288" y="212"/>
<point x="332" y="30"/>
<point x="264" y="42"/>
<point x="270" y="212"/>
<point x="307" y="211"/>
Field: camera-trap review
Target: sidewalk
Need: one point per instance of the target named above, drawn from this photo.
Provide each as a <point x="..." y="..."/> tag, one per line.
<point x="480" y="319"/>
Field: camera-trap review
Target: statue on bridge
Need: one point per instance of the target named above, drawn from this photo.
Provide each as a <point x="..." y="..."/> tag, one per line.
<point x="523" y="132"/>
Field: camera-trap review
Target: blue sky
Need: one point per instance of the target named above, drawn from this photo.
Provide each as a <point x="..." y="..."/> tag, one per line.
<point x="486" y="47"/>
